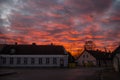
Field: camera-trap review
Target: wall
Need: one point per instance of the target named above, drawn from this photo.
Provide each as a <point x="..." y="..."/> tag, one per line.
<point x="116" y="63"/>
<point x="36" y="57"/>
<point x="86" y="57"/>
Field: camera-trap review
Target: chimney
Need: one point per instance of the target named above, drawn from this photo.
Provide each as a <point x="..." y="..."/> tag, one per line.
<point x="16" y="43"/>
<point x="33" y="43"/>
<point x="52" y="44"/>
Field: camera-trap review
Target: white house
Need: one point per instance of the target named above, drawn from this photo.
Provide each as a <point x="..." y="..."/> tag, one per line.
<point x="116" y="59"/>
<point x="33" y="56"/>
<point x="116" y="62"/>
<point x="86" y="58"/>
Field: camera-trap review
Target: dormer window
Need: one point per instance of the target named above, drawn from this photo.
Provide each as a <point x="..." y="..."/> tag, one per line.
<point x="12" y="51"/>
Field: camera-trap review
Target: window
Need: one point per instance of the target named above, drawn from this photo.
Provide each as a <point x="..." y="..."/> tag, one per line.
<point x="25" y="60"/>
<point x="32" y="60"/>
<point x="18" y="60"/>
<point x="54" y="60"/>
<point x="83" y="56"/>
<point x="11" y="60"/>
<point x="61" y="61"/>
<point x="40" y="60"/>
<point x="3" y="60"/>
<point x="47" y="60"/>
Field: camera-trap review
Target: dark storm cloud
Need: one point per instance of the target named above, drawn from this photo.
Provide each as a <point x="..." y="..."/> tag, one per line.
<point x="98" y="6"/>
<point x="1" y="21"/>
<point x="25" y="21"/>
<point x="102" y="5"/>
<point x="1" y="1"/>
<point x="4" y="1"/>
<point x="113" y="23"/>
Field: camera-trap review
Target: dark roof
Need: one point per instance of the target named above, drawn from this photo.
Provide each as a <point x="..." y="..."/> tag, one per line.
<point x="70" y="57"/>
<point x="33" y="50"/>
<point x="99" y="55"/>
<point x="116" y="51"/>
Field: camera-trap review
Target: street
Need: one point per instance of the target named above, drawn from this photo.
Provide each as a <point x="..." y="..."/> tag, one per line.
<point x="58" y="74"/>
<point x="50" y="74"/>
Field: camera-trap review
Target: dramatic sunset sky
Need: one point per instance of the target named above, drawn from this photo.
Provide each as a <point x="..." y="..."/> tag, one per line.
<point x="62" y="22"/>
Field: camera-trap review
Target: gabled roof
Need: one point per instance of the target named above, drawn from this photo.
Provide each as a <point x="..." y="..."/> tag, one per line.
<point x="117" y="50"/>
<point x="33" y="50"/>
<point x="99" y="55"/>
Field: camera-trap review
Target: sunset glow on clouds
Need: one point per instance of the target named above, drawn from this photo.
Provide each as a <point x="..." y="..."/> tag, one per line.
<point x="62" y="22"/>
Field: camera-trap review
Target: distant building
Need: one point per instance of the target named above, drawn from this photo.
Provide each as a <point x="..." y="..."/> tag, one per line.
<point x="94" y="58"/>
<point x="33" y="56"/>
<point x="116" y="59"/>
<point x="71" y="61"/>
<point x="86" y="58"/>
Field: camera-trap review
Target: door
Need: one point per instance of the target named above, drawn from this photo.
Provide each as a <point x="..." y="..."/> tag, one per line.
<point x="61" y="63"/>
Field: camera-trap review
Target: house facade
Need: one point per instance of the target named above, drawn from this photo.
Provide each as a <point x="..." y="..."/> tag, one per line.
<point x="86" y="59"/>
<point x="116" y="62"/>
<point x="33" y="56"/>
<point x="116" y="59"/>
